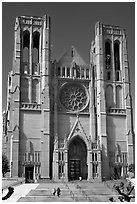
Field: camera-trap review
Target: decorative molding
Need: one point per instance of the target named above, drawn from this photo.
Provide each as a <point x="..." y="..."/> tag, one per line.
<point x="78" y="129"/>
<point x="30" y="106"/>
<point x="15" y="89"/>
<point x="116" y="111"/>
<point x="15" y="127"/>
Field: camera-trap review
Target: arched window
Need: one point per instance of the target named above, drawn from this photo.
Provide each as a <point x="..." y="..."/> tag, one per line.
<point x="59" y="156"/>
<point x="108" y="55"/>
<point x="77" y="72"/>
<point x="26" y="40"/>
<point x="119" y="96"/>
<point x="35" y="54"/>
<point x="109" y="96"/>
<point x="87" y="73"/>
<point x="82" y="73"/>
<point x="68" y="72"/>
<point x="26" y="54"/>
<point x="108" y="75"/>
<point x="59" y="71"/>
<point x="24" y="90"/>
<point x="63" y="72"/>
<point x="35" y="90"/>
<point x="116" y="56"/>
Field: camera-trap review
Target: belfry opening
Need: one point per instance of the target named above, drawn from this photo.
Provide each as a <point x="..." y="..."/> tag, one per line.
<point x="77" y="159"/>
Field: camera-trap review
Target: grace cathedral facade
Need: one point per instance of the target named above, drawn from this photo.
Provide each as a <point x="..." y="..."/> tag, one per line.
<point x="66" y="118"/>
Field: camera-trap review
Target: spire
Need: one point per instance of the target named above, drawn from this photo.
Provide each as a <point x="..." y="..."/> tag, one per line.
<point x="72" y="51"/>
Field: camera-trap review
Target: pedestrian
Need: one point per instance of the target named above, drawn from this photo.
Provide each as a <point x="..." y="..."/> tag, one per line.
<point x="54" y="191"/>
<point x="80" y="178"/>
<point x="58" y="191"/>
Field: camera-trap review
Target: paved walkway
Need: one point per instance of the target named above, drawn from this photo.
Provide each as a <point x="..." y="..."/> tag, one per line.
<point x="70" y="192"/>
<point x="19" y="191"/>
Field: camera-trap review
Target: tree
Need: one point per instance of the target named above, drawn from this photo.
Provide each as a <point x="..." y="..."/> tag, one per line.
<point x="5" y="165"/>
<point x="131" y="168"/>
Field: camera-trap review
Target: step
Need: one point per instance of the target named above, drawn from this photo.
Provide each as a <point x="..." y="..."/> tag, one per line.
<point x="49" y="192"/>
<point x="45" y="199"/>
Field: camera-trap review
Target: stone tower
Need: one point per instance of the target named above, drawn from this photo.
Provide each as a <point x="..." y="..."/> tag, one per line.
<point x="28" y="138"/>
<point x="109" y="59"/>
<point x="67" y="119"/>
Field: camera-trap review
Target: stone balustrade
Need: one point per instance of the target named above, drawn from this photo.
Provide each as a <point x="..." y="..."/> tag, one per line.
<point x="70" y="72"/>
<point x="30" y="106"/>
<point x="117" y="111"/>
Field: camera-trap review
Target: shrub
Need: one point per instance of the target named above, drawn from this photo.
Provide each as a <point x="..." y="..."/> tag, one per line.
<point x="5" y="165"/>
<point x="131" y="168"/>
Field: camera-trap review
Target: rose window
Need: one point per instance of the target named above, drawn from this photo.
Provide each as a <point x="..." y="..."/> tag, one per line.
<point x="73" y="97"/>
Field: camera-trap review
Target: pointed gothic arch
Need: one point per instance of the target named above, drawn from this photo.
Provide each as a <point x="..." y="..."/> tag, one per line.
<point x="26" y="42"/>
<point x="119" y="96"/>
<point x="117" y="55"/>
<point x="35" y="90"/>
<point x="77" y="159"/>
<point x="109" y="96"/>
<point x="24" y="90"/>
<point x="108" y="54"/>
<point x="35" y="52"/>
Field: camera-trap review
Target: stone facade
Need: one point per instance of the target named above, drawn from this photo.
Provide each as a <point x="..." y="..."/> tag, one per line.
<point x="67" y="119"/>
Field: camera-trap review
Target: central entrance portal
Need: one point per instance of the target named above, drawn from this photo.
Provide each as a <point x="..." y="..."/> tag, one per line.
<point x="77" y="159"/>
<point x="29" y="174"/>
<point x="75" y="169"/>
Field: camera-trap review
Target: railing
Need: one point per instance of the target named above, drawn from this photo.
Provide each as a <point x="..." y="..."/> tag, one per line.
<point x="71" y="192"/>
<point x="31" y="21"/>
<point x="114" y="31"/>
<point x="84" y="194"/>
<point x="80" y="73"/>
<point x="73" y="196"/>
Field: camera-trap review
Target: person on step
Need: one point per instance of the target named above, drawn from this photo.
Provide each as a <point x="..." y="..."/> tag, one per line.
<point x="58" y="191"/>
<point x="54" y="191"/>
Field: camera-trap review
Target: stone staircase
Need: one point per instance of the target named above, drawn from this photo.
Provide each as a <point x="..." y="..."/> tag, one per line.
<point x="92" y="191"/>
<point x="70" y="192"/>
<point x="44" y="193"/>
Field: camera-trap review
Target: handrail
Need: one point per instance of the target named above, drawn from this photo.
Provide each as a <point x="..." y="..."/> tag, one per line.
<point x="70" y="191"/>
<point x="84" y="193"/>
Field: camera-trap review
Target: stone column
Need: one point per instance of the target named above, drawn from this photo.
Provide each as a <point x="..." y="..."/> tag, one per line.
<point x="99" y="165"/>
<point x="55" y="165"/>
<point x="66" y="165"/>
<point x="11" y="151"/>
<point x="89" y="162"/>
<point x="30" y="66"/>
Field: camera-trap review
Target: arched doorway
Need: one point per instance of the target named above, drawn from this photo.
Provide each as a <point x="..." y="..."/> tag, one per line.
<point x="77" y="159"/>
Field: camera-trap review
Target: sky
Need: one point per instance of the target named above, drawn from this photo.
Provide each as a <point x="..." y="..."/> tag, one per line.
<point x="72" y="23"/>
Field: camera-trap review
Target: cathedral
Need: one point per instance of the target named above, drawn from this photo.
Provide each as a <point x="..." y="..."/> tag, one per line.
<point x="67" y="119"/>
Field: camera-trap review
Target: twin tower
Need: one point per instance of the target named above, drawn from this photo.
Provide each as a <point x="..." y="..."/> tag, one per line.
<point x="67" y="119"/>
